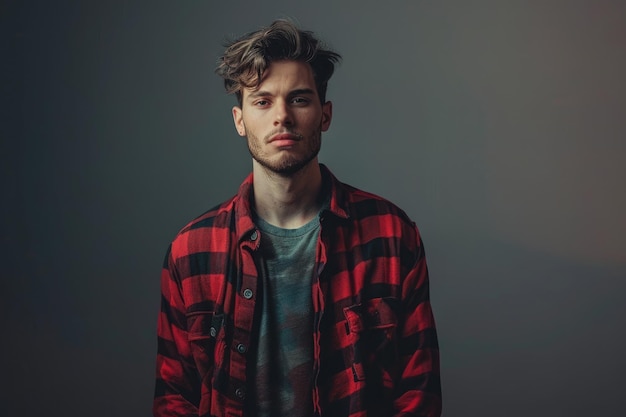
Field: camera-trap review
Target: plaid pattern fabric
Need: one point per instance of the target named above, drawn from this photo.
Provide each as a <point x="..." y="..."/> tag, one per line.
<point x="375" y="344"/>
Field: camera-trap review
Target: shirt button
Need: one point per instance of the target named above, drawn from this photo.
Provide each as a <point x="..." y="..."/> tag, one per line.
<point x="254" y="236"/>
<point x="241" y="348"/>
<point x="240" y="393"/>
<point x="247" y="293"/>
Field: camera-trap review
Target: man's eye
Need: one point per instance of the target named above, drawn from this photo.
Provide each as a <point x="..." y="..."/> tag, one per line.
<point x="261" y="103"/>
<point x="299" y="100"/>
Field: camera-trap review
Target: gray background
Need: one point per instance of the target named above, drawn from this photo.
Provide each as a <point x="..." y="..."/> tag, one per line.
<point x="499" y="126"/>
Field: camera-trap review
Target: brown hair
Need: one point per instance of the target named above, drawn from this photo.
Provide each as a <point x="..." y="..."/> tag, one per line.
<point x="245" y="59"/>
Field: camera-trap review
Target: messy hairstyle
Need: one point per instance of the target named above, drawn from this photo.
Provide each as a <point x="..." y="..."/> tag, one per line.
<point x="246" y="59"/>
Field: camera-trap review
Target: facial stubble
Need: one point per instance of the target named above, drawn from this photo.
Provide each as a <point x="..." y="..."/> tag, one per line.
<point x="287" y="165"/>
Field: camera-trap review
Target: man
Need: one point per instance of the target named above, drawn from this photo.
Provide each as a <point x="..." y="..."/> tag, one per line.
<point x="300" y="296"/>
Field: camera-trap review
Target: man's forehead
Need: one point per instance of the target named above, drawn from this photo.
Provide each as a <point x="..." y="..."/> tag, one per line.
<point x="297" y="76"/>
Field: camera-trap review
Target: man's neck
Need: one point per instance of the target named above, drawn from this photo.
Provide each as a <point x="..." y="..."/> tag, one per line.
<point x="287" y="202"/>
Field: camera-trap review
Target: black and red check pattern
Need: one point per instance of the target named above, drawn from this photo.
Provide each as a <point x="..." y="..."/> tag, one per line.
<point x="375" y="344"/>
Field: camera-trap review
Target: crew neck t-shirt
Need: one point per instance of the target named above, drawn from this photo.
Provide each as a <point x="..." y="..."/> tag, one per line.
<point x="284" y="360"/>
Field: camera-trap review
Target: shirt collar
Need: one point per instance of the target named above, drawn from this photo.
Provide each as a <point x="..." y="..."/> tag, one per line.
<point x="338" y="194"/>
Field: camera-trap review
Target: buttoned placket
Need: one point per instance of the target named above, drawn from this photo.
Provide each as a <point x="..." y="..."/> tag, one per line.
<point x="318" y="309"/>
<point x="243" y="316"/>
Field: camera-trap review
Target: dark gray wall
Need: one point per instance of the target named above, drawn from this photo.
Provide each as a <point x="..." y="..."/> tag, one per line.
<point x="499" y="126"/>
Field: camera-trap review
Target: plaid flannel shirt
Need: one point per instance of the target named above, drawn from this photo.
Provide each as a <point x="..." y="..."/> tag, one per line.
<point x="375" y="344"/>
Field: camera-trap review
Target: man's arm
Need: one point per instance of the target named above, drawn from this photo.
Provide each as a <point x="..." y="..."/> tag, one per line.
<point x="419" y="388"/>
<point x="177" y="389"/>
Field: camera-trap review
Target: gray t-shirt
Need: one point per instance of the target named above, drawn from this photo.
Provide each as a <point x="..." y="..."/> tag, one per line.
<point x="285" y="350"/>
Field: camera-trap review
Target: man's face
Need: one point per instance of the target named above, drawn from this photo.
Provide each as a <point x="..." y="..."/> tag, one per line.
<point x="283" y="119"/>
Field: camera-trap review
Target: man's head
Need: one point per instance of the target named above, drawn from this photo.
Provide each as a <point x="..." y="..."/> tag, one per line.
<point x="246" y="59"/>
<point x="280" y="76"/>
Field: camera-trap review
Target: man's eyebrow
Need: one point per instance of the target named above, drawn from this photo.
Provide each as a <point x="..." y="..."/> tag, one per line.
<point x="259" y="93"/>
<point x="296" y="92"/>
<point x="302" y="92"/>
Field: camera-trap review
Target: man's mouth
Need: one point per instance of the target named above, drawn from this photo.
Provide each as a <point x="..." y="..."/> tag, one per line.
<point x="284" y="139"/>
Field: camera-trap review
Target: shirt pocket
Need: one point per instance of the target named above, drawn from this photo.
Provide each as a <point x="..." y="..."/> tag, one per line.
<point x="204" y="333"/>
<point x="371" y="328"/>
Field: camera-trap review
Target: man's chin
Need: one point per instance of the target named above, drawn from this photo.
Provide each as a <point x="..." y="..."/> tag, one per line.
<point x="286" y="169"/>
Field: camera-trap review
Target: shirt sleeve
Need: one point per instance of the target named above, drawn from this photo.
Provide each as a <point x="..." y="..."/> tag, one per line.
<point x="177" y="385"/>
<point x="419" y="388"/>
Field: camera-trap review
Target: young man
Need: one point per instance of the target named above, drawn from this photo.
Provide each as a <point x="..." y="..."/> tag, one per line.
<point x="300" y="296"/>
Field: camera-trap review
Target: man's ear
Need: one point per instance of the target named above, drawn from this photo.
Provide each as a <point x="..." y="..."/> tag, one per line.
<point x="327" y="115"/>
<point x="238" y="119"/>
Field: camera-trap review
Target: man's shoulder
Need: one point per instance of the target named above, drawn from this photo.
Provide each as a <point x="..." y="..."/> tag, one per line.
<point x="364" y="204"/>
<point x="214" y="225"/>
<point x="216" y="216"/>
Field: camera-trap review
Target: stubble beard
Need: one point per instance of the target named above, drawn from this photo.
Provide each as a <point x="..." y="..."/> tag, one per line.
<point x="286" y="165"/>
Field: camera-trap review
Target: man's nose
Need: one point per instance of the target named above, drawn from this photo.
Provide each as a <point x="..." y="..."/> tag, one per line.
<point x="282" y="115"/>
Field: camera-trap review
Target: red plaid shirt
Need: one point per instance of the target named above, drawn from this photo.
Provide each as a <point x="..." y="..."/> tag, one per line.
<point x="375" y="344"/>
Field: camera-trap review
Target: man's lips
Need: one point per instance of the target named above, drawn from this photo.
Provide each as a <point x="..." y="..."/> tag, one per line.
<point x="284" y="139"/>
